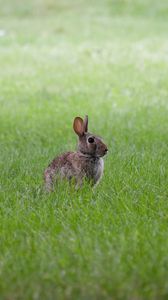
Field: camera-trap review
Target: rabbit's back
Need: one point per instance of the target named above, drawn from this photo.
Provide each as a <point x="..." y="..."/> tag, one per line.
<point x="74" y="165"/>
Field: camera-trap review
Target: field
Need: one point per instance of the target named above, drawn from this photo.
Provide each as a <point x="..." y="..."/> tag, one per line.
<point x="107" y="59"/>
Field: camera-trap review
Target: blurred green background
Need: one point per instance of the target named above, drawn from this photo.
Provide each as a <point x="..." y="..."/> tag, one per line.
<point x="147" y="8"/>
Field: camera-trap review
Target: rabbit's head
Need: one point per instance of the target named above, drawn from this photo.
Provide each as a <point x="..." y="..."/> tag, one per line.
<point x="89" y="144"/>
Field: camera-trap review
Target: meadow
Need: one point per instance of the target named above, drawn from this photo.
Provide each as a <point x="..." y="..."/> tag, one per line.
<point x="58" y="60"/>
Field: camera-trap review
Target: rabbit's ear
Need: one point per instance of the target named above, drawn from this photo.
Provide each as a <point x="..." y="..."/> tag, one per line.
<point x="85" y="124"/>
<point x="78" y="126"/>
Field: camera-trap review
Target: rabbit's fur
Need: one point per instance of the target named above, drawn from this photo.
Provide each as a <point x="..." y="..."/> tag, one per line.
<point x="86" y="163"/>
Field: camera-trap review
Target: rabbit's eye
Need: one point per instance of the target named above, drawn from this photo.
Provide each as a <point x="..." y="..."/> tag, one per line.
<point x="91" y="140"/>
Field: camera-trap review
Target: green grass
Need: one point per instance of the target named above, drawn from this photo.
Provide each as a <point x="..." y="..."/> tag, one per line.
<point x="61" y="59"/>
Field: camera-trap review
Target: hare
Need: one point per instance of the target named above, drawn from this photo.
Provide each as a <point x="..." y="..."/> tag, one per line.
<point x="85" y="163"/>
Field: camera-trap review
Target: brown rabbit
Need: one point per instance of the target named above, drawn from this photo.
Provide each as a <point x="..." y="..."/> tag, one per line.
<point x="86" y="163"/>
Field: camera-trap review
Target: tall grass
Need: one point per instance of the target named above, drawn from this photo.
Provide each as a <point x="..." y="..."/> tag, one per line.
<point x="59" y="60"/>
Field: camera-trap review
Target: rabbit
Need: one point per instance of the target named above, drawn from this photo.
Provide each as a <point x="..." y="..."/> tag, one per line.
<point x="85" y="163"/>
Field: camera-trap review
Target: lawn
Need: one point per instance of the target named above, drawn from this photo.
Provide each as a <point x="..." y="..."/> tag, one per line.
<point x="58" y="60"/>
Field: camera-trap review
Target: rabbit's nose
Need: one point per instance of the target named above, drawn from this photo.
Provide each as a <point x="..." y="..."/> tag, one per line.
<point x="106" y="150"/>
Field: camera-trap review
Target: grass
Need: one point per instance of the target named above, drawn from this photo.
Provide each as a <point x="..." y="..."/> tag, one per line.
<point x="59" y="60"/>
